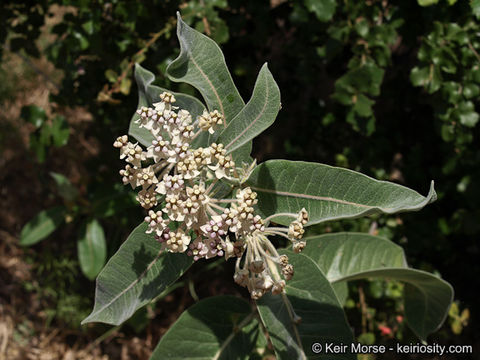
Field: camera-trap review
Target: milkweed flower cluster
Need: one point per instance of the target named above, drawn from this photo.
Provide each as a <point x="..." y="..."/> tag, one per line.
<point x="179" y="189"/>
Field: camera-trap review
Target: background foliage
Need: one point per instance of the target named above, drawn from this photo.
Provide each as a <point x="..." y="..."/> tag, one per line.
<point x="388" y="88"/>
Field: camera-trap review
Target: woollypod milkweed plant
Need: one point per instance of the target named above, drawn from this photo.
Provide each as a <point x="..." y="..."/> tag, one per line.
<point x="205" y="197"/>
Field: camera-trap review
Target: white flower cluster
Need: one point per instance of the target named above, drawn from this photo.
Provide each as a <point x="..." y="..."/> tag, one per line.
<point x="178" y="187"/>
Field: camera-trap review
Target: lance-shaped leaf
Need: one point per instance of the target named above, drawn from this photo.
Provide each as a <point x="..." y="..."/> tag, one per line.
<point x="351" y="256"/>
<point x="42" y="225"/>
<point x="259" y="113"/>
<point x="135" y="275"/>
<point x="92" y="249"/>
<point x="149" y="94"/>
<point x="220" y="327"/>
<point x="314" y="301"/>
<point x="327" y="192"/>
<point x="201" y="64"/>
<point x="64" y="187"/>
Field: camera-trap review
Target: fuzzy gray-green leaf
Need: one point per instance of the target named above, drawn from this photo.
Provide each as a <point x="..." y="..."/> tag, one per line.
<point x="202" y="65"/>
<point x="350" y="256"/>
<point x="220" y="327"/>
<point x="328" y="193"/>
<point x="345" y="254"/>
<point x="259" y="113"/>
<point x="136" y="274"/>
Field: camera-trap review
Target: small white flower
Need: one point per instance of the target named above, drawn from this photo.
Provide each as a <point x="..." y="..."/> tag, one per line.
<point x="295" y="230"/>
<point x="303" y="217"/>
<point x="170" y="185"/>
<point x="146" y="177"/>
<point x="215" y="228"/>
<point x="156" y="223"/>
<point x="133" y="153"/>
<point x="121" y="141"/>
<point x="178" y="152"/>
<point x="158" y="150"/>
<point x="188" y="167"/>
<point x="129" y="176"/>
<point x="167" y="97"/>
<point x="174" y="241"/>
<point x="209" y="121"/>
<point x="174" y="207"/>
<point x="144" y="118"/>
<point x="147" y="198"/>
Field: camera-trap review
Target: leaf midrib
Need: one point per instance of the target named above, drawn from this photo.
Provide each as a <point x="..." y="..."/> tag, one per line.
<point x="255" y="120"/>
<point x="230" y="337"/>
<point x="314" y="197"/>
<point x="136" y="281"/>
<point x="189" y="54"/>
<point x="47" y="222"/>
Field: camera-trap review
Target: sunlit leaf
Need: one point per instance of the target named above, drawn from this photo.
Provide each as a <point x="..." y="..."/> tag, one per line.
<point x="42" y="225"/>
<point x="92" y="249"/>
<point x="327" y="192"/>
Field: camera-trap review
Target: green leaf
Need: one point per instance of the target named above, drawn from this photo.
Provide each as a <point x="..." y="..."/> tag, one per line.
<point x="220" y="327"/>
<point x="135" y="275"/>
<point x="323" y="9"/>
<point x="42" y="225"/>
<point x="469" y="119"/>
<point x="328" y="193"/>
<point x="351" y="256"/>
<point x="363" y="106"/>
<point x="475" y="5"/>
<point x="92" y="249"/>
<point x="113" y="201"/>
<point x="471" y="90"/>
<point x="202" y="65"/>
<point x="59" y="131"/>
<point x="111" y="75"/>
<point x="149" y="94"/>
<point x="366" y="79"/>
<point x="259" y="113"/>
<point x="419" y="76"/>
<point x="64" y="186"/>
<point x="467" y="114"/>
<point x="314" y="301"/>
<point x="143" y="78"/>
<point x="427" y="2"/>
<point x="345" y="254"/>
<point x="340" y="254"/>
<point x="125" y="85"/>
<point x="34" y="114"/>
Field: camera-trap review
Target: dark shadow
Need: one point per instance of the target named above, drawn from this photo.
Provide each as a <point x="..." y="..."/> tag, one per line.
<point x="146" y="263"/>
<point x="320" y="323"/>
<point x="223" y="315"/>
